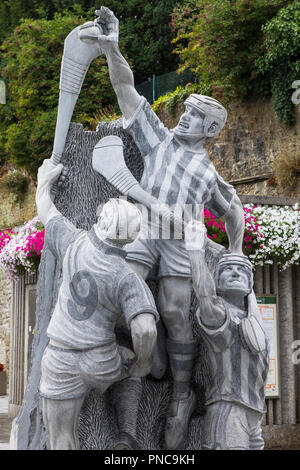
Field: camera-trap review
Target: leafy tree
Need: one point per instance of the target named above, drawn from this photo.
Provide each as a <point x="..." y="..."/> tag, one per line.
<point x="220" y="40"/>
<point x="144" y="27"/>
<point x="146" y="35"/>
<point x="31" y="69"/>
<point x="279" y="66"/>
<point x="30" y="66"/>
<point x="13" y="11"/>
<point x="10" y="14"/>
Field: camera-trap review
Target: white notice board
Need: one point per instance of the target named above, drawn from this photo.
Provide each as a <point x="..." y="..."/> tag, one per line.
<point x="267" y="306"/>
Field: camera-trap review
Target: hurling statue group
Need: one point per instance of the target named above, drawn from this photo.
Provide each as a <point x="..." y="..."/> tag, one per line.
<point x="104" y="270"/>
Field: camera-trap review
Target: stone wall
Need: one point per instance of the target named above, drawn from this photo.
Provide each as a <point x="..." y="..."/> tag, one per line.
<point x="14" y="213"/>
<point x="249" y="146"/>
<point x="5" y="305"/>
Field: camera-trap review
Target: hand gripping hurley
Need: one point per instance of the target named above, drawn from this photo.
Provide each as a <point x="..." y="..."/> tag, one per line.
<point x="108" y="160"/>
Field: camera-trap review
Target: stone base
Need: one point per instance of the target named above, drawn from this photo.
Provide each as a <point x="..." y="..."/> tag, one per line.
<point x="2" y="382"/>
<point x="282" y="437"/>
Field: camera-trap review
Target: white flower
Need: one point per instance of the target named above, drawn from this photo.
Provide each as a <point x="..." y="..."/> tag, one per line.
<point x="12" y="256"/>
<point x="279" y="230"/>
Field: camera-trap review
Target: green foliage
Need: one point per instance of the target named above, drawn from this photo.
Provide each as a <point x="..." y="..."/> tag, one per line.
<point x="30" y="67"/>
<point x="107" y="114"/>
<point x="280" y="63"/>
<point x="170" y="100"/>
<point x="31" y="70"/>
<point x="12" y="12"/>
<point x="176" y="97"/>
<point x="220" y="40"/>
<point x="160" y="102"/>
<point x="145" y="35"/>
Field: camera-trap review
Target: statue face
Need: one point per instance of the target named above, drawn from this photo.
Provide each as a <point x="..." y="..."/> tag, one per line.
<point x="190" y="123"/>
<point x="234" y="278"/>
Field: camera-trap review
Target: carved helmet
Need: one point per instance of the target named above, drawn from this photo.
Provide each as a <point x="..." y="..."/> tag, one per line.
<point x="230" y="259"/>
<point x="215" y="113"/>
<point x="120" y="219"/>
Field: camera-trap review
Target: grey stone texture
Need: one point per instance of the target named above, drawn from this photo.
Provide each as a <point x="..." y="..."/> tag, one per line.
<point x="276" y="434"/>
<point x="78" y="200"/>
<point x="282" y="437"/>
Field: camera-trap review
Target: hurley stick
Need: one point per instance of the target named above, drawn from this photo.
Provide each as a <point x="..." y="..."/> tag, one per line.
<point x="81" y="47"/>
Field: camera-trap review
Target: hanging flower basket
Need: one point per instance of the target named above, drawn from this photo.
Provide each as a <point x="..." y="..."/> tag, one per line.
<point x="20" y="251"/>
<point x="271" y="233"/>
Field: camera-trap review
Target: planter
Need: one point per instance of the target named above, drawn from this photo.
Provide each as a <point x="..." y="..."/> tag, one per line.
<point x="3" y="382"/>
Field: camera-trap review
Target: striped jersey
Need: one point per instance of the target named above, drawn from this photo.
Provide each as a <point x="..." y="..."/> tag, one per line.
<point x="97" y="287"/>
<point x="237" y="375"/>
<point x="175" y="176"/>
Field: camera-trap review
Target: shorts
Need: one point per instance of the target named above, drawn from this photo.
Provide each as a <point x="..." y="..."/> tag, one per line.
<point x="231" y="426"/>
<point x="70" y="373"/>
<point x="174" y="258"/>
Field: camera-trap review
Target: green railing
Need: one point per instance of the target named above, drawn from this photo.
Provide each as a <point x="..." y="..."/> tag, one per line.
<point x="160" y="85"/>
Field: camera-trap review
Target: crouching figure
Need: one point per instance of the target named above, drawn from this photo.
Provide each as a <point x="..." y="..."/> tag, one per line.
<point x="97" y="287"/>
<point x="238" y="350"/>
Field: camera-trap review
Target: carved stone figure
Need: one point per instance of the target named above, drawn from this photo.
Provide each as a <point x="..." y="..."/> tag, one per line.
<point x="97" y="287"/>
<point x="238" y="349"/>
<point x="178" y="172"/>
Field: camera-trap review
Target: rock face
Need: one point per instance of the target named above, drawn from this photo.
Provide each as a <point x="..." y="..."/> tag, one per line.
<point x="250" y="145"/>
<point x="12" y="212"/>
<point x="78" y="200"/>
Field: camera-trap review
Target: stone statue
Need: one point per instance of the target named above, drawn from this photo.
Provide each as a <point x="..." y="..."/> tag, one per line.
<point x="97" y="287"/>
<point x="178" y="179"/>
<point x="179" y="173"/>
<point x="231" y="326"/>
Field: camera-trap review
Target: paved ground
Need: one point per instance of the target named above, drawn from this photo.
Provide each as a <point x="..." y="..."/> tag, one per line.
<point x="5" y="423"/>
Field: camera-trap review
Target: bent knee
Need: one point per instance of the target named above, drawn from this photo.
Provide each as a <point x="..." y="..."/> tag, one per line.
<point x="178" y="326"/>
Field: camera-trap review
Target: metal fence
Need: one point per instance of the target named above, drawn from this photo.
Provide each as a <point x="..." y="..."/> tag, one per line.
<point x="158" y="86"/>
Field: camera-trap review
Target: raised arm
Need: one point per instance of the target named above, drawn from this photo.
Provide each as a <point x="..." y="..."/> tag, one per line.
<point x="120" y="74"/>
<point x="47" y="175"/>
<point x="235" y="225"/>
<point x="211" y="308"/>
